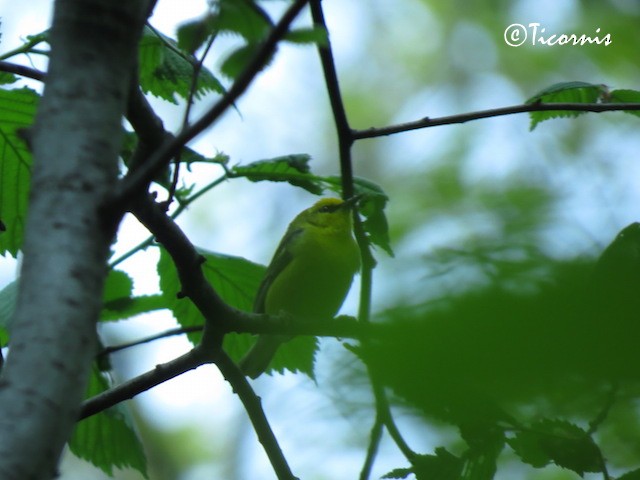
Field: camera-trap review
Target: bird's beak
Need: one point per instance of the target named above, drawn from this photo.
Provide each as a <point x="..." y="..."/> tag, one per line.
<point x="351" y="202"/>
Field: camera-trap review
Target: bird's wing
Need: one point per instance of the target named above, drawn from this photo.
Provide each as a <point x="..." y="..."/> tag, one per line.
<point x="280" y="260"/>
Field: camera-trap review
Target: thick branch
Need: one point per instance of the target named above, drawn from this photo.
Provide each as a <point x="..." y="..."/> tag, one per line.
<point x="493" y="112"/>
<point x="76" y="140"/>
<point x="188" y="264"/>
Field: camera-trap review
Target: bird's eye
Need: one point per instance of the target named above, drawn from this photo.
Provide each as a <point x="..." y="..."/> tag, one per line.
<point x="327" y="209"/>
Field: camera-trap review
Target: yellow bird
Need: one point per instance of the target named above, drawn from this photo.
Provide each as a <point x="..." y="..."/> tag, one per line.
<point x="310" y="273"/>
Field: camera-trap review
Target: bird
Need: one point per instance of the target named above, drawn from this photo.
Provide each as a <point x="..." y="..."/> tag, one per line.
<point x="309" y="275"/>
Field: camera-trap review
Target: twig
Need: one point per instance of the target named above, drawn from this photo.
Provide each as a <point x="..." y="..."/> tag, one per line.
<point x="197" y="68"/>
<point x="345" y="135"/>
<point x="493" y="112"/>
<point x="127" y="390"/>
<point x="137" y="179"/>
<point x="372" y="451"/>
<point x="22" y="70"/>
<point x="253" y="407"/>
<point x="166" y="334"/>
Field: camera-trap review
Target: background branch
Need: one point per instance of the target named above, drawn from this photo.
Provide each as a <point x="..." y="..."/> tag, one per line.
<point x="493" y="112"/>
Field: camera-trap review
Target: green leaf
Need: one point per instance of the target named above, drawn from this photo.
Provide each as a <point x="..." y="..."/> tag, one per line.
<point x="238" y="60"/>
<point x="105" y="439"/>
<point x="632" y="475"/>
<point x="443" y="466"/>
<point x="291" y="168"/>
<point x="194" y="33"/>
<point x="7" y="78"/>
<point x="565" y="92"/>
<point x="243" y="17"/>
<point x="235" y="279"/>
<point x="625" y="96"/>
<point x="560" y="442"/>
<point x="119" y="302"/>
<point x="166" y="71"/>
<point x="316" y="35"/>
<point x="17" y="109"/>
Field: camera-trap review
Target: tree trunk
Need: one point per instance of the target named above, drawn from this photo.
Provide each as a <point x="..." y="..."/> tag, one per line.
<point x="75" y="141"/>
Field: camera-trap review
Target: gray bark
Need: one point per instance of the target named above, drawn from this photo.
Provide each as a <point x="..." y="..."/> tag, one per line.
<point x="75" y="140"/>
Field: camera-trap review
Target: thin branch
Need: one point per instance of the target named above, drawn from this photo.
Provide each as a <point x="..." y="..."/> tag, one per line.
<point x="253" y="406"/>
<point x="345" y="135"/>
<point x="152" y="338"/>
<point x="137" y="180"/>
<point x="22" y="70"/>
<point x="197" y="68"/>
<point x="127" y="390"/>
<point x="372" y="451"/>
<point x="257" y="324"/>
<point x="493" y="112"/>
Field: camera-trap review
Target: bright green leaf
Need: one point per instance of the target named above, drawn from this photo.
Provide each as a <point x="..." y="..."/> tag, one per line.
<point x="166" y="71"/>
<point x="565" y="92"/>
<point x="235" y="279"/>
<point x="291" y="168"/>
<point x="105" y="439"/>
<point x="17" y="109"/>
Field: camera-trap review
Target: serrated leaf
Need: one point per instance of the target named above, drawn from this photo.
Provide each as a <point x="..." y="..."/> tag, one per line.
<point x="166" y="71"/>
<point x="314" y="35"/>
<point x="235" y="279"/>
<point x="565" y="92"/>
<point x="293" y="169"/>
<point x="560" y="442"/>
<point x="625" y="96"/>
<point x="105" y="439"/>
<point x="17" y="110"/>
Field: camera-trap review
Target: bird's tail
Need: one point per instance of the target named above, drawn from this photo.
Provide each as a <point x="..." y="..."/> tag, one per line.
<point x="256" y="361"/>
